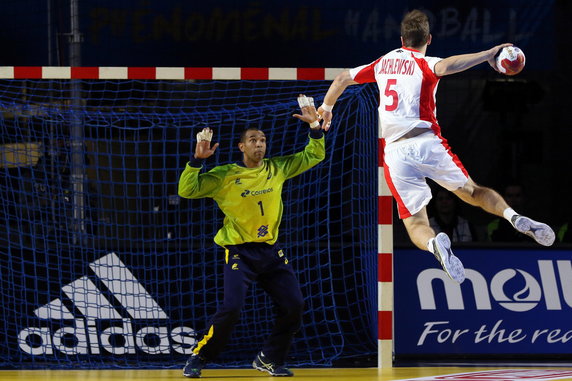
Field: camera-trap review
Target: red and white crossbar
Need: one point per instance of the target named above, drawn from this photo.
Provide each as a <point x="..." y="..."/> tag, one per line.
<point x="167" y="73"/>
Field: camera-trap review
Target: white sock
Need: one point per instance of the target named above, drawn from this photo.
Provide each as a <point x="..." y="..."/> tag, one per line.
<point x="430" y="245"/>
<point x="509" y="213"/>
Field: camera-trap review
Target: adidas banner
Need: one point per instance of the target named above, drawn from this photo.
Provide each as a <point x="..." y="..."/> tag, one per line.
<point x="105" y="309"/>
<point x="120" y="335"/>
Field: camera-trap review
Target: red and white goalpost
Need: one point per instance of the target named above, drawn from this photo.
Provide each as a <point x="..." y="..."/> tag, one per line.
<point x="385" y="227"/>
<point x="384" y="266"/>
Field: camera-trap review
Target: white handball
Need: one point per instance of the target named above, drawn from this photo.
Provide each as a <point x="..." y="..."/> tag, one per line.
<point x="510" y="60"/>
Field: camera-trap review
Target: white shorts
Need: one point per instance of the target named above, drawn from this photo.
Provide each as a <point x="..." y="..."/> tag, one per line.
<point x="408" y="162"/>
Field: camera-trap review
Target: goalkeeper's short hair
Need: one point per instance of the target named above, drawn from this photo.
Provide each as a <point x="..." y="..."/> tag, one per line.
<point x="243" y="133"/>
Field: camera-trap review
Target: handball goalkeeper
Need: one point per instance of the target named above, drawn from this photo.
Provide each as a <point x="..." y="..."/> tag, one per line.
<point x="249" y="195"/>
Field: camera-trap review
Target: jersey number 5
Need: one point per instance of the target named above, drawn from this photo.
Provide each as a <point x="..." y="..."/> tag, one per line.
<point x="389" y="92"/>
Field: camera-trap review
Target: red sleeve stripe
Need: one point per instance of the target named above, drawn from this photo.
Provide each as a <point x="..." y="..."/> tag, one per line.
<point x="367" y="74"/>
<point x="170" y="73"/>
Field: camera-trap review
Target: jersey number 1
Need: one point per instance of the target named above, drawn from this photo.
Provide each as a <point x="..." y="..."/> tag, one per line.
<point x="261" y="208"/>
<point x="391" y="93"/>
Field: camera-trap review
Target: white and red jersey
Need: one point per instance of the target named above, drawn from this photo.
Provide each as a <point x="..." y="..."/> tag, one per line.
<point x="407" y="86"/>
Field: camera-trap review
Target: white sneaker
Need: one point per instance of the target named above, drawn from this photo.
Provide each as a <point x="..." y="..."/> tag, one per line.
<point x="542" y="233"/>
<point x="451" y="264"/>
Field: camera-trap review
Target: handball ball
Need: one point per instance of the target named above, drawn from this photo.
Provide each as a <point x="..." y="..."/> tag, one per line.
<point x="510" y="60"/>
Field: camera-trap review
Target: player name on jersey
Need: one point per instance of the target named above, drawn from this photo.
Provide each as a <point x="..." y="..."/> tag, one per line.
<point x="397" y="66"/>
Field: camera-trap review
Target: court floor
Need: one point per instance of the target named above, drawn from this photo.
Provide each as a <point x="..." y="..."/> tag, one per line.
<point x="331" y="374"/>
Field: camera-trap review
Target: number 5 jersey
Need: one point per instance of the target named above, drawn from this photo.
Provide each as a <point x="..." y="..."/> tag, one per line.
<point x="407" y="86"/>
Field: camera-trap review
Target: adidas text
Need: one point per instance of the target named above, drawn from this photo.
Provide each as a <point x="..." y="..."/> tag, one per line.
<point x="81" y="338"/>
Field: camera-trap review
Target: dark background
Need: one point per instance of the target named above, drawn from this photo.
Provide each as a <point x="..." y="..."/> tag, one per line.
<point x="270" y="33"/>
<point x="503" y="129"/>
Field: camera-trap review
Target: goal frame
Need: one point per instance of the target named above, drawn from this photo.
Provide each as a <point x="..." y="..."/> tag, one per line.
<point x="385" y="330"/>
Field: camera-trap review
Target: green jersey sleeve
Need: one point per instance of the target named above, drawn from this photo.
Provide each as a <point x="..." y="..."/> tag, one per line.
<point x="193" y="184"/>
<point x="293" y="165"/>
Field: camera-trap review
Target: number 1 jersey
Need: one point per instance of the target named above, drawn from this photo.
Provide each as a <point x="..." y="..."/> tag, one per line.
<point x="250" y="198"/>
<point x="407" y="86"/>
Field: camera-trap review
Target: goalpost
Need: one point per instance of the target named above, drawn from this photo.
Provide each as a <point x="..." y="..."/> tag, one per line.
<point x="103" y="265"/>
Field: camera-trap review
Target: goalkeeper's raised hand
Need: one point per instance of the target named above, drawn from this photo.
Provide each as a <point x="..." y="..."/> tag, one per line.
<point x="309" y="113"/>
<point x="203" y="148"/>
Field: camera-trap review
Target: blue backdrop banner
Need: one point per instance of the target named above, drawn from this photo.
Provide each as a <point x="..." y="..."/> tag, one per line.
<point x="514" y="301"/>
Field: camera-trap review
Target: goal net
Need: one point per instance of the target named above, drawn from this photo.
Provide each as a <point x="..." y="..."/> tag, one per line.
<point x="102" y="264"/>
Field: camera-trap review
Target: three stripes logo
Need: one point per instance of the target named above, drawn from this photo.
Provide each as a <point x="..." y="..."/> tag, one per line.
<point x="105" y="325"/>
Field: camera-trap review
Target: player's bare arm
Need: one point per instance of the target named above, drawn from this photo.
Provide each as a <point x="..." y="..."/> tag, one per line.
<point x="462" y="62"/>
<point x="203" y="148"/>
<point x="340" y="83"/>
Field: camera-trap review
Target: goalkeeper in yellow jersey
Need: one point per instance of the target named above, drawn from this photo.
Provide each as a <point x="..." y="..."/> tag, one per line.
<point x="249" y="194"/>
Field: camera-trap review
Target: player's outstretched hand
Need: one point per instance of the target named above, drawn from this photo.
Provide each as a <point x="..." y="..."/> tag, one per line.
<point x="203" y="148"/>
<point x="309" y="113"/>
<point x="493" y="53"/>
<point x="326" y="117"/>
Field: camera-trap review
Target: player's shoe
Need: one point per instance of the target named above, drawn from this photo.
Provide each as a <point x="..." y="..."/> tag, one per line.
<point x="451" y="264"/>
<point x="193" y="367"/>
<point x="541" y="233"/>
<point x="263" y="364"/>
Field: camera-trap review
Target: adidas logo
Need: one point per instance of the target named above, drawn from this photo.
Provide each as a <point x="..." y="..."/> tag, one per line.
<point x="108" y="324"/>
